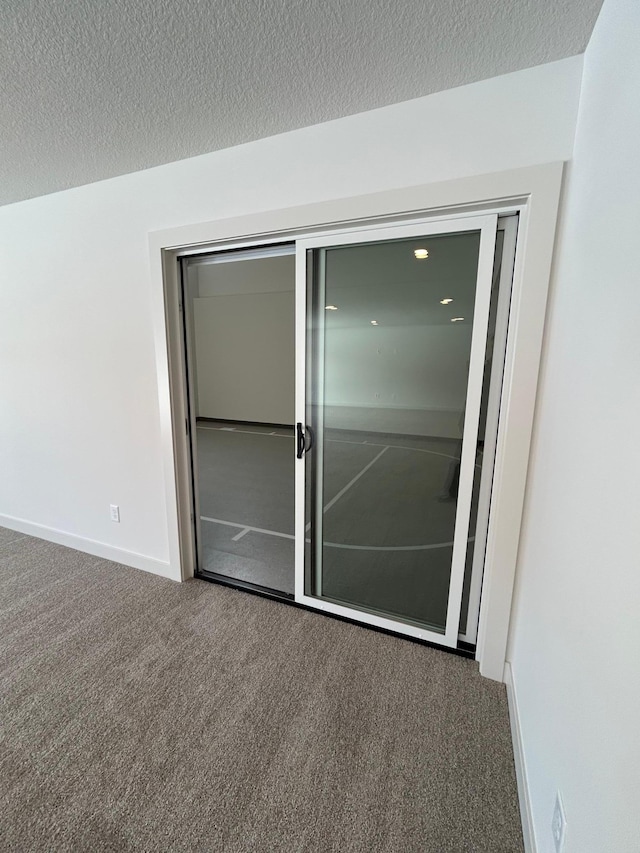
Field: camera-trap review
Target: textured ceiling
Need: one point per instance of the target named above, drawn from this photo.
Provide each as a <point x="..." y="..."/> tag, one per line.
<point x="90" y="89"/>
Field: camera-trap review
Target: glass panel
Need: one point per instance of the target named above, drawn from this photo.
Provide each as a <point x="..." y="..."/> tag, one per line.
<point x="391" y="325"/>
<point x="239" y="325"/>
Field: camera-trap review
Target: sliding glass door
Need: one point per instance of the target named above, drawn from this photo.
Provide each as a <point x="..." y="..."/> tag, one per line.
<point x="390" y="435"/>
<point x="391" y="344"/>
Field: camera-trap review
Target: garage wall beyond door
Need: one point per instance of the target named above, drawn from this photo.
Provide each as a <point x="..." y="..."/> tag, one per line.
<point x="245" y="354"/>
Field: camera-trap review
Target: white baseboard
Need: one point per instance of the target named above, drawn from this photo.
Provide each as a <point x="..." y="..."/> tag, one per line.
<point x="90" y="546"/>
<point x="528" y="832"/>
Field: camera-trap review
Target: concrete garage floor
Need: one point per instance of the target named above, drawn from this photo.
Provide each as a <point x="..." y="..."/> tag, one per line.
<point x="388" y="520"/>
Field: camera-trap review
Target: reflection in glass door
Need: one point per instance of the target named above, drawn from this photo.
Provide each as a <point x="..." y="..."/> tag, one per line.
<point x="238" y="315"/>
<point x="395" y="354"/>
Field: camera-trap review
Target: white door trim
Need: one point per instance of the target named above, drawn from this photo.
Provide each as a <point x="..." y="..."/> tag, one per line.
<point x="533" y="192"/>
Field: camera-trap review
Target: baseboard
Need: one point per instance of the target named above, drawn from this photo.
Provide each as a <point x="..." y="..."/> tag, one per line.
<point x="203" y="419"/>
<point x="90" y="546"/>
<point x="528" y="833"/>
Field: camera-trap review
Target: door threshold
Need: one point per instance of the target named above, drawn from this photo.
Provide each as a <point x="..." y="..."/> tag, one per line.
<point x="246" y="586"/>
<point x="464" y="650"/>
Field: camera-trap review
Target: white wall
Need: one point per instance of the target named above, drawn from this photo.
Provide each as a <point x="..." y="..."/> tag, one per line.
<point x="575" y="646"/>
<point x="245" y="351"/>
<point x="244" y="339"/>
<point x="394" y="379"/>
<point x="80" y="426"/>
<point x="270" y="274"/>
<point x="408" y="373"/>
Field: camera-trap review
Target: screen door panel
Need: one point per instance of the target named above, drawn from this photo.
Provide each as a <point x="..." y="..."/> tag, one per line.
<point x="395" y="333"/>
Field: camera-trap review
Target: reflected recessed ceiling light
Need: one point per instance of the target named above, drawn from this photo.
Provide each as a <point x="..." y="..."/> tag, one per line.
<point x="374" y="322"/>
<point x="445" y="301"/>
<point x="330" y="307"/>
<point x="421" y="254"/>
<point x="456" y="319"/>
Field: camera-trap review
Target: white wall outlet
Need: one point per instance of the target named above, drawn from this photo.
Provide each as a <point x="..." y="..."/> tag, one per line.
<point x="558" y="824"/>
<point x="115" y="512"/>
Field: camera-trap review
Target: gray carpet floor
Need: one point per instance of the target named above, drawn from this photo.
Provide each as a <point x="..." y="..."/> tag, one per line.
<point x="141" y="714"/>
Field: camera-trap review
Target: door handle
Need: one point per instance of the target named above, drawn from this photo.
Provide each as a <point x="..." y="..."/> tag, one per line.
<point x="308" y="439"/>
<point x="304" y="440"/>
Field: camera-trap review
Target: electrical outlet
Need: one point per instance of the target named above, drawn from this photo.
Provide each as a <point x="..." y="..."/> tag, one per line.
<point x="558" y="824"/>
<point x="115" y="512"/>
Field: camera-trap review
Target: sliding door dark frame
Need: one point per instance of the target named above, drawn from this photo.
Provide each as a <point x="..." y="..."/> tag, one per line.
<point x="191" y="438"/>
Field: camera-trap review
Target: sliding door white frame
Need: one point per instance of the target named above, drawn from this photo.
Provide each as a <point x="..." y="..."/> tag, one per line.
<point x="509" y="227"/>
<point x="486" y="225"/>
<point x="532" y="192"/>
